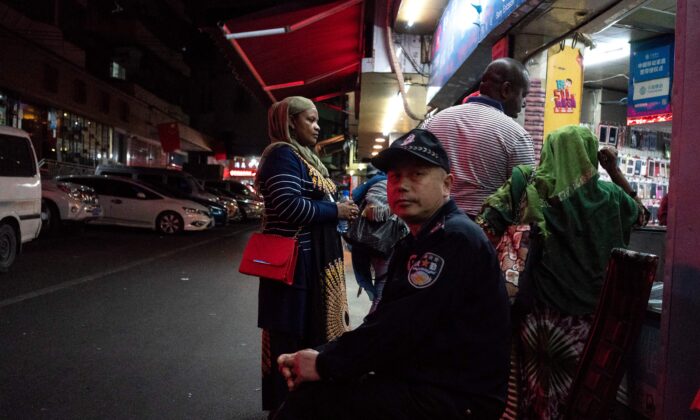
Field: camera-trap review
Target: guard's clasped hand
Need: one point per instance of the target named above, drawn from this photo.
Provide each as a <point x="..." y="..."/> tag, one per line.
<point x="299" y="367"/>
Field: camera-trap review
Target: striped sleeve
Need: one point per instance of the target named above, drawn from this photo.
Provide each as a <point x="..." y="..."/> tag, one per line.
<point x="522" y="151"/>
<point x="285" y="192"/>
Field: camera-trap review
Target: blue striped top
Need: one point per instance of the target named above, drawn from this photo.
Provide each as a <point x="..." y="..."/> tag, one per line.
<point x="296" y="196"/>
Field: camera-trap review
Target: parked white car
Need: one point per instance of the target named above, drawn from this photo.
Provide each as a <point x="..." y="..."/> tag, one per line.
<point x="129" y="203"/>
<point x="66" y="202"/>
<point x="20" y="194"/>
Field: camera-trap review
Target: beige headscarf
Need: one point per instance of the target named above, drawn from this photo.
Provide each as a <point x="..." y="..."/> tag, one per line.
<point x="278" y="130"/>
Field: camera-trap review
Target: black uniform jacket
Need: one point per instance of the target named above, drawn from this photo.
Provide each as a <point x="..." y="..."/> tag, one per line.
<point x="443" y="320"/>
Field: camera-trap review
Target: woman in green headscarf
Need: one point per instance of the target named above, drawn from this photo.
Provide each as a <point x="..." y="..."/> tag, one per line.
<point x="579" y="219"/>
<point x="299" y="201"/>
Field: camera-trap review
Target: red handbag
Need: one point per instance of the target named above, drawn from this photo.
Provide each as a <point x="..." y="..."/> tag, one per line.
<point x="270" y="256"/>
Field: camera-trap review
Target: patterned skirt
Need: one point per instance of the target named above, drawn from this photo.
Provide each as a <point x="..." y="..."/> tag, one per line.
<point x="545" y="357"/>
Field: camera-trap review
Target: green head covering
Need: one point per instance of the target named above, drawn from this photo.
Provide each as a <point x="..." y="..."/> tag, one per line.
<point x="569" y="158"/>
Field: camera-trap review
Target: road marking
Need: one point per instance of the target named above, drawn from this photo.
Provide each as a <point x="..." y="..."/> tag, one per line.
<point x="91" y="277"/>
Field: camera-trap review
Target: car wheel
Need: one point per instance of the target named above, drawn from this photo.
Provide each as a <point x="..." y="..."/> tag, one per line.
<point x="169" y="223"/>
<point x="8" y="246"/>
<point x="50" y="218"/>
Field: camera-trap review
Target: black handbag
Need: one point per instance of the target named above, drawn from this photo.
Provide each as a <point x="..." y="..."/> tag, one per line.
<point x="378" y="237"/>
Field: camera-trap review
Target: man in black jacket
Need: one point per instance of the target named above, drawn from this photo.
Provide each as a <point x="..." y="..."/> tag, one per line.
<point x="437" y="346"/>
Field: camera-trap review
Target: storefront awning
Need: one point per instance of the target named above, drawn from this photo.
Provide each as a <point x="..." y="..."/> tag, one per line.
<point x="314" y="52"/>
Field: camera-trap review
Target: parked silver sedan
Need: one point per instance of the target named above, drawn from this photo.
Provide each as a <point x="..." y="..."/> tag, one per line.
<point x="65" y="202"/>
<point x="130" y="203"/>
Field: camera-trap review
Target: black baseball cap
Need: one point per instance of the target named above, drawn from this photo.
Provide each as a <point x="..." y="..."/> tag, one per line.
<point x="418" y="143"/>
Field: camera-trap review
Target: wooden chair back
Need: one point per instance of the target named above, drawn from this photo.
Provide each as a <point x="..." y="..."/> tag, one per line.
<point x="618" y="320"/>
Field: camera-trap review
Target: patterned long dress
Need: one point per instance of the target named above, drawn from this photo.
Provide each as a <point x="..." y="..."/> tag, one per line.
<point x="314" y="309"/>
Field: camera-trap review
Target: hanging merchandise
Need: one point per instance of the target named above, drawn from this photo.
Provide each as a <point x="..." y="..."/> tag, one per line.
<point x="564" y="87"/>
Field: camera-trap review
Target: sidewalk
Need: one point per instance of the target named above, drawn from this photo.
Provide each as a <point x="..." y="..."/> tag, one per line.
<point x="357" y="306"/>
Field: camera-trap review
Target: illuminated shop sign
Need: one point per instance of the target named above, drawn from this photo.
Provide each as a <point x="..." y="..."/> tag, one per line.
<point x="651" y="76"/>
<point x="242" y="172"/>
<point x="464" y="24"/>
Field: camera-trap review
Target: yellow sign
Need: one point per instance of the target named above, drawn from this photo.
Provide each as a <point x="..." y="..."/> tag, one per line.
<point x="564" y="87"/>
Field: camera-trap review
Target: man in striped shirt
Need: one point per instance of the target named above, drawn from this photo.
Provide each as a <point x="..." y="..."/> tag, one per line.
<point x="482" y="140"/>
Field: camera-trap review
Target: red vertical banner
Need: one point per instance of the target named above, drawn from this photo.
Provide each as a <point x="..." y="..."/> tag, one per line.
<point x="219" y="151"/>
<point x="500" y="48"/>
<point x="169" y="134"/>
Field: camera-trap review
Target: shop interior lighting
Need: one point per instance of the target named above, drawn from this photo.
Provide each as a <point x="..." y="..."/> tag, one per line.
<point x="393" y="111"/>
<point x="605" y="52"/>
<point x="380" y="139"/>
<point x="413" y="10"/>
<point x="377" y="146"/>
<point x="375" y="153"/>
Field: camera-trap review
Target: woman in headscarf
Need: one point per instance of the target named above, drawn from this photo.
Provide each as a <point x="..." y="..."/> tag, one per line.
<point x="579" y="219"/>
<point x="299" y="202"/>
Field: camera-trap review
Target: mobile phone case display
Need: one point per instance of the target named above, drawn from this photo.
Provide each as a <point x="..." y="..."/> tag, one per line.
<point x="644" y="159"/>
<point x="534" y="114"/>
<point x="610" y="134"/>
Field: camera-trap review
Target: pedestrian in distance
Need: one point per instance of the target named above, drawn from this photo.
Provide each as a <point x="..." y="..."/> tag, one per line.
<point x="436" y="347"/>
<point x="299" y="202"/>
<point x="374" y="209"/>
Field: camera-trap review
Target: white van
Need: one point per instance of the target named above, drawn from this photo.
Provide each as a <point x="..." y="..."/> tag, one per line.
<point x="20" y="194"/>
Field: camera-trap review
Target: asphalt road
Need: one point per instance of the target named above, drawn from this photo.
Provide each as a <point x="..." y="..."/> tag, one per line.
<point x="114" y="323"/>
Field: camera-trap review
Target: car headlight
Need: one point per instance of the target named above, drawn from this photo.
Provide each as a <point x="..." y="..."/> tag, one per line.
<point x="72" y="192"/>
<point x="190" y="210"/>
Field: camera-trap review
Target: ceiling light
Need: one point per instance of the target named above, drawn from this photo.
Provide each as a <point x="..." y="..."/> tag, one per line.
<point x="605" y="52"/>
<point x="413" y="11"/>
<point x="392" y="112"/>
<point x="375" y="153"/>
<point x="380" y="139"/>
<point x="377" y="146"/>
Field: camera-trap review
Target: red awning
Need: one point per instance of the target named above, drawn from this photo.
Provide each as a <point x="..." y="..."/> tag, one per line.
<point x="314" y="52"/>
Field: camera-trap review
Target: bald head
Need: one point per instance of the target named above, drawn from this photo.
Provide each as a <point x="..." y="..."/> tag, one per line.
<point x="506" y="80"/>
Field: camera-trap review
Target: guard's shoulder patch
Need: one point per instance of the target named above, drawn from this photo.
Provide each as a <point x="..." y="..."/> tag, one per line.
<point x="425" y="270"/>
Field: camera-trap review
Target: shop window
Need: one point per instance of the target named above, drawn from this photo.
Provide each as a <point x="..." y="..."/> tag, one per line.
<point x="79" y="91"/>
<point x="104" y="102"/>
<point x="50" y="80"/>
<point x="124" y="111"/>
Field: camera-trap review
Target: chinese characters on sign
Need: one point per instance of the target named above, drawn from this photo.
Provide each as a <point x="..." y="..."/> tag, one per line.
<point x="651" y="72"/>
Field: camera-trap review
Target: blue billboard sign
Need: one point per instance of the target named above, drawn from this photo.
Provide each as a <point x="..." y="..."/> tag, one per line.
<point x="463" y="25"/>
<point x="651" y="74"/>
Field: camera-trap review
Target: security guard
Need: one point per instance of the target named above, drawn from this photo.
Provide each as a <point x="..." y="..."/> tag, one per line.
<point x="437" y="347"/>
